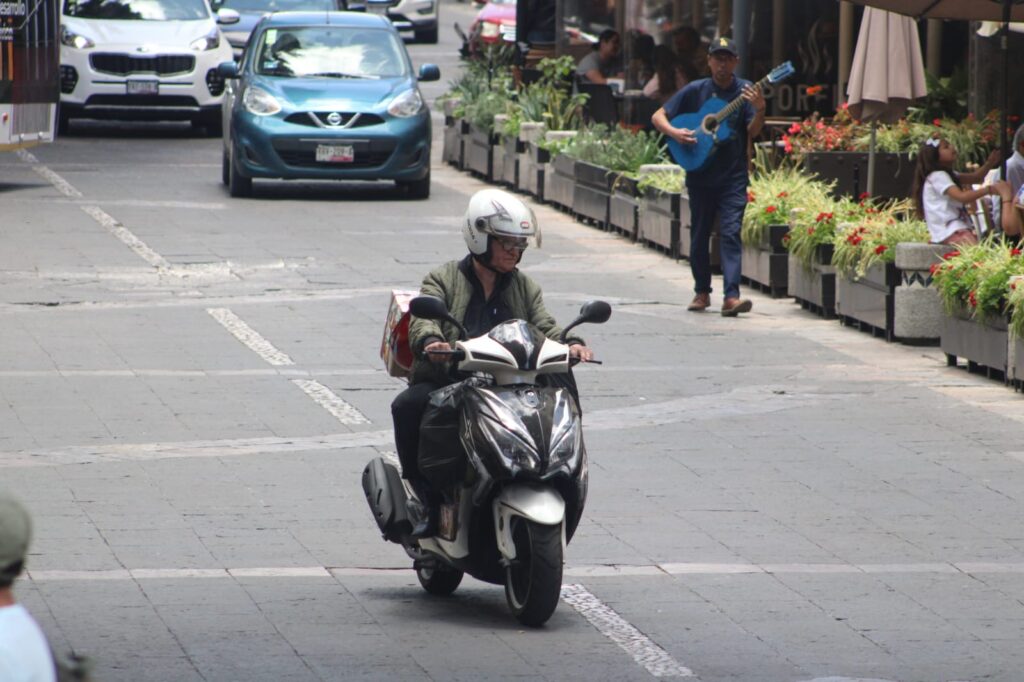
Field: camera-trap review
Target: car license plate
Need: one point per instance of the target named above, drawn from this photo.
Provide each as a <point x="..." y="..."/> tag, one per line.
<point x="143" y="87"/>
<point x="335" y="153"/>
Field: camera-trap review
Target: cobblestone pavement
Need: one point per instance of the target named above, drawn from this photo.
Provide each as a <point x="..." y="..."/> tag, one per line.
<point x="191" y="387"/>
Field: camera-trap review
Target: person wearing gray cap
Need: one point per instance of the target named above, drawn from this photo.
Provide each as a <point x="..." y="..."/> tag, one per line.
<point x="25" y="654"/>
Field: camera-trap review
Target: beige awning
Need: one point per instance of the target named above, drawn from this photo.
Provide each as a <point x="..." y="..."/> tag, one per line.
<point x="978" y="10"/>
<point x="887" y="73"/>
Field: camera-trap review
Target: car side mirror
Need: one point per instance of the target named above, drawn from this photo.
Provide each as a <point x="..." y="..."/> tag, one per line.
<point x="433" y="308"/>
<point x="592" y="312"/>
<point x="227" y="16"/>
<point x="227" y="70"/>
<point x="429" y="72"/>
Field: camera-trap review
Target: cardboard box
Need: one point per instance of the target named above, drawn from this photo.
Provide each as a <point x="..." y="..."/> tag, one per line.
<point x="394" y="348"/>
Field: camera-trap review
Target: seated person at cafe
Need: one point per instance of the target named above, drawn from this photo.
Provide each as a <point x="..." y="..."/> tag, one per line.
<point x="690" y="52"/>
<point x="668" y="76"/>
<point x="603" y="63"/>
<point x="1015" y="165"/>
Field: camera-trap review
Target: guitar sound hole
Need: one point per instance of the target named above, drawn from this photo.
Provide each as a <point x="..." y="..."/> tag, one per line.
<point x="710" y="124"/>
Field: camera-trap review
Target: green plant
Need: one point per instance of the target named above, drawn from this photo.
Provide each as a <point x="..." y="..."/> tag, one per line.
<point x="874" y="240"/>
<point x="976" y="278"/>
<point x="667" y="181"/>
<point x="1015" y="303"/>
<point x="772" y="194"/>
<point x="617" y="149"/>
<point x="947" y="97"/>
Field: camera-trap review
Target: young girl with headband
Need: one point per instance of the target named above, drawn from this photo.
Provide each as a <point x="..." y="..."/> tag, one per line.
<point x="940" y="194"/>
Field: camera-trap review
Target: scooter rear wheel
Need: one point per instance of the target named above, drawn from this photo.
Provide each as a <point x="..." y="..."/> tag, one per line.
<point x="439" y="581"/>
<point x="533" y="581"/>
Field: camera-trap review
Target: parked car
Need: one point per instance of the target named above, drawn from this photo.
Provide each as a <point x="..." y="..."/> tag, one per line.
<point x="251" y="11"/>
<point x="494" y="23"/>
<point x="418" y="16"/>
<point x="142" y="59"/>
<point x="326" y="95"/>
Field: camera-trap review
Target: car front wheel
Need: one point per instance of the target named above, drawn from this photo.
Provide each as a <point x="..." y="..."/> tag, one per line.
<point x="417" y="189"/>
<point x="239" y="185"/>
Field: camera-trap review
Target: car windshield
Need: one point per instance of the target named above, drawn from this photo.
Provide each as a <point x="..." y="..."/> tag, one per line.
<point x="139" y="10"/>
<point x="330" y="52"/>
<point x="279" y="5"/>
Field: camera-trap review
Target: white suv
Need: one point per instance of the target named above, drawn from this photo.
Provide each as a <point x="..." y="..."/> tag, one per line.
<point x="142" y="59"/>
<point x="418" y="16"/>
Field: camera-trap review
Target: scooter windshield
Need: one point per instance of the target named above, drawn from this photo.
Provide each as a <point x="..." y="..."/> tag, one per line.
<point x="520" y="339"/>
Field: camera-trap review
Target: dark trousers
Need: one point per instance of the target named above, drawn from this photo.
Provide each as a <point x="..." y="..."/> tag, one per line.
<point x="729" y="202"/>
<point x="407" y="412"/>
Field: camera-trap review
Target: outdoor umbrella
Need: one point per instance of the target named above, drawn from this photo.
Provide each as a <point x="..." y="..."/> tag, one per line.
<point x="887" y="73"/>
<point x="1003" y="11"/>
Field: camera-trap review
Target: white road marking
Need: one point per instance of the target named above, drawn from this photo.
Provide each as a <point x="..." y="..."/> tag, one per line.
<point x="125" y="235"/>
<point x="250" y="337"/>
<point x="326" y="398"/>
<point x="142" y="452"/>
<point x="188" y="373"/>
<point x="61" y="185"/>
<point x="645" y="652"/>
<point x="582" y="570"/>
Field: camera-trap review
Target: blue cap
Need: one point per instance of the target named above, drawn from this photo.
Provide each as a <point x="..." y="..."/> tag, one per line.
<point x="723" y="44"/>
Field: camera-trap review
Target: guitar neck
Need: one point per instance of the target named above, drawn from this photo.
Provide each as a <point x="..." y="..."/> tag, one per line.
<point x="734" y="105"/>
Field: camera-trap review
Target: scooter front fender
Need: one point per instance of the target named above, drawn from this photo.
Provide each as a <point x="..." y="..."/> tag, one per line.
<point x="533" y="502"/>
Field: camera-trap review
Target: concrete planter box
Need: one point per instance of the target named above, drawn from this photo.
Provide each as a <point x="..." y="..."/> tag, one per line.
<point x="918" y="308"/>
<point x="533" y="166"/>
<point x="894" y="173"/>
<point x="984" y="344"/>
<point x="1017" y="366"/>
<point x="869" y="302"/>
<point x="479" y="153"/>
<point x="766" y="264"/>
<point x="815" y="288"/>
<point x="592" y="193"/>
<point x="506" y="155"/>
<point x="623" y="206"/>
<point x="560" y="182"/>
<point x="452" y="151"/>
<point x="659" y="219"/>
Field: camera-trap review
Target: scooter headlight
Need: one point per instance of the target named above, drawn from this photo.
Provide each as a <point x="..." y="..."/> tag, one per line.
<point x="513" y="446"/>
<point x="566" y="447"/>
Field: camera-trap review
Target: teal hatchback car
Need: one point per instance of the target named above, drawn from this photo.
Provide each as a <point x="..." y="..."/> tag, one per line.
<point x="326" y="96"/>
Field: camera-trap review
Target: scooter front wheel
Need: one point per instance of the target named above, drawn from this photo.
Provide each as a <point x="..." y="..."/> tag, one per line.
<point x="439" y="581"/>
<point x="533" y="580"/>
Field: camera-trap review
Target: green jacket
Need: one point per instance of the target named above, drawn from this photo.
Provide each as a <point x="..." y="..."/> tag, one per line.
<point x="523" y="296"/>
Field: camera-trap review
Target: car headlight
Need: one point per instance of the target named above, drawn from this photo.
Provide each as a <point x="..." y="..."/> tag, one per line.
<point x="409" y="103"/>
<point x="260" y="102"/>
<point x="210" y="41"/>
<point x="489" y="30"/>
<point x="75" y="40"/>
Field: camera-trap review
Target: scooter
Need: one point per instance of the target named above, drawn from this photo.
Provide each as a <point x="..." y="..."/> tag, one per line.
<point x="508" y="518"/>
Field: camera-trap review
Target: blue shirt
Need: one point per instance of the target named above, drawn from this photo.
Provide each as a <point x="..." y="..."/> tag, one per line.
<point x="728" y="164"/>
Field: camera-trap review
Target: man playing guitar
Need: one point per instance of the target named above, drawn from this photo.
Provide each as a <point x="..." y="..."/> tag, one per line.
<point x="720" y="186"/>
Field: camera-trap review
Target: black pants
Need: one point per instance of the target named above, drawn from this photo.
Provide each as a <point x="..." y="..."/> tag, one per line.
<point x="407" y="412"/>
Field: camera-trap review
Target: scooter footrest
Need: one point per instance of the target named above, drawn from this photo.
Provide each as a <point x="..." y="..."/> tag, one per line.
<point x="385" y="494"/>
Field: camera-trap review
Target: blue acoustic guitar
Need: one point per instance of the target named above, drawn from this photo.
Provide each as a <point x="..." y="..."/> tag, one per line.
<point x="711" y="126"/>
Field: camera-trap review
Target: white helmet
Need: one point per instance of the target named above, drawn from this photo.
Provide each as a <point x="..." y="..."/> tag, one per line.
<point x="492" y="212"/>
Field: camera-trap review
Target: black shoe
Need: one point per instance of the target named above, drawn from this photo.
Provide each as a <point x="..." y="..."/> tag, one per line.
<point x="423" y="510"/>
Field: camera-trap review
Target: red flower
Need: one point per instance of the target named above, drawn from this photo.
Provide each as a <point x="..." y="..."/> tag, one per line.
<point x="1015" y="251"/>
<point x="937" y="122"/>
<point x="786" y="237"/>
<point x="813" y="90"/>
<point x="810" y="230"/>
<point x="950" y="254"/>
<point x="823" y="216"/>
<point x="973" y="299"/>
<point x="935" y="267"/>
<point x="770" y="209"/>
<point x="750" y="197"/>
<point x="881" y="248"/>
<point x="782" y="195"/>
<point x="864" y="196"/>
<point x="856" y="239"/>
<point x="794" y="129"/>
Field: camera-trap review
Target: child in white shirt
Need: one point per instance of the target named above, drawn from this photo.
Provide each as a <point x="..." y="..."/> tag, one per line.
<point x="940" y="195"/>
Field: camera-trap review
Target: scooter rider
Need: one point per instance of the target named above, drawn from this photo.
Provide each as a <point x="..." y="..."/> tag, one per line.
<point x="482" y="290"/>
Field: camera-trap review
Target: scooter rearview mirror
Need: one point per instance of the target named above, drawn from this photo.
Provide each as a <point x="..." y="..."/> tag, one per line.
<point x="433" y="308"/>
<point x="595" y="312"/>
